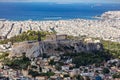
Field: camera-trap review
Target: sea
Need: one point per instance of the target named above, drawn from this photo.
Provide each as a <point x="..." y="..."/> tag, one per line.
<point x="53" y="11"/>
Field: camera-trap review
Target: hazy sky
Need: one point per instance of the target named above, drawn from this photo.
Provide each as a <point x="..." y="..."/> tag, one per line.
<point x="65" y="1"/>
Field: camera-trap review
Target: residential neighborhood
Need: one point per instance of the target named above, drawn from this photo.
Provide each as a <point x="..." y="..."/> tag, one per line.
<point x="54" y="68"/>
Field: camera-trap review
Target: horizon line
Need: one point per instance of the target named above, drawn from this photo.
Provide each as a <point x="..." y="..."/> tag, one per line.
<point x="58" y="2"/>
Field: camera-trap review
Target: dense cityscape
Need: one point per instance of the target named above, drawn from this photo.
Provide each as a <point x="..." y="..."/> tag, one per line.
<point x="81" y="42"/>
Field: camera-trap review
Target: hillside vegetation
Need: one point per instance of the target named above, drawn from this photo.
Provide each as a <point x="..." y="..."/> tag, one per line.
<point x="113" y="48"/>
<point x="27" y="36"/>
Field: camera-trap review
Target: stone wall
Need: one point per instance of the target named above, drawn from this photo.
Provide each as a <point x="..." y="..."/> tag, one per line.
<point x="35" y="49"/>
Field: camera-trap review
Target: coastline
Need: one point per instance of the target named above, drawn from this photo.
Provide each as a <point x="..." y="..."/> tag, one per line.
<point x="59" y="41"/>
<point x="53" y="19"/>
<point x="53" y="11"/>
<point x="106" y="28"/>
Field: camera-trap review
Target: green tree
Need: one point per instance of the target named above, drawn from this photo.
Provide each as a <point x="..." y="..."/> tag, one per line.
<point x="27" y="36"/>
<point x="52" y="62"/>
<point x="17" y="63"/>
<point x="79" y="77"/>
<point x="87" y="78"/>
<point x="106" y="71"/>
<point x="4" y="55"/>
<point x="117" y="75"/>
<point x="34" y="74"/>
<point x="40" y="69"/>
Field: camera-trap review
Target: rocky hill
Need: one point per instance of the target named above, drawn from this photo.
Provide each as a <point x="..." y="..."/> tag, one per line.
<point x="55" y="47"/>
<point x="111" y="15"/>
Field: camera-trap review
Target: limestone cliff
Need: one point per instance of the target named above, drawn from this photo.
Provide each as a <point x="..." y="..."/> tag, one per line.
<point x="34" y="48"/>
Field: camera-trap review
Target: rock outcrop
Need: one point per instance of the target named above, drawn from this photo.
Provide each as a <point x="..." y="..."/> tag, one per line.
<point x="35" y="49"/>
